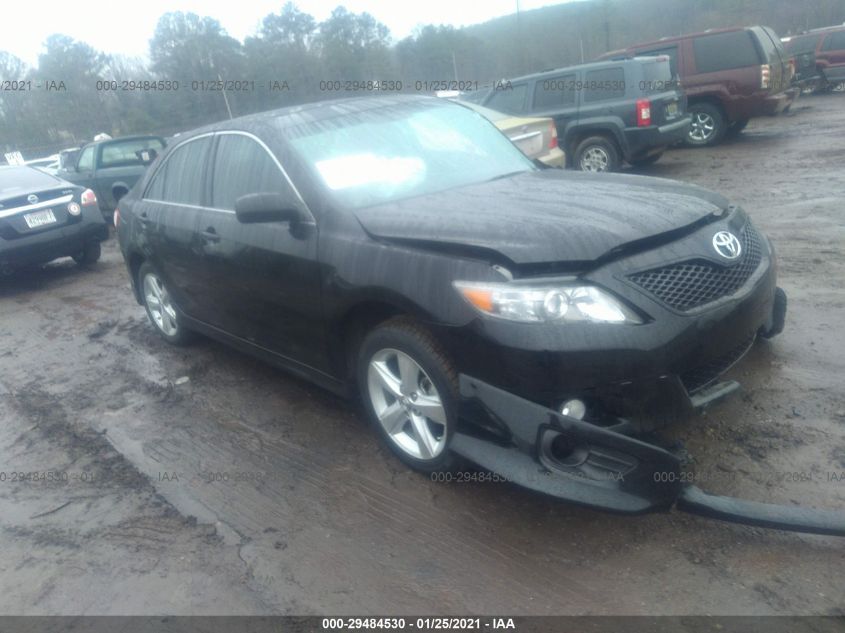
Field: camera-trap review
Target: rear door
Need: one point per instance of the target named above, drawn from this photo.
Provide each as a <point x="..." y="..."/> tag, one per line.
<point x="263" y="279"/>
<point x="555" y="96"/>
<point x="831" y="57"/>
<point x="168" y="215"/>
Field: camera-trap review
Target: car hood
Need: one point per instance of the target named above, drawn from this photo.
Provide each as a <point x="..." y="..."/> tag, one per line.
<point x="545" y="216"/>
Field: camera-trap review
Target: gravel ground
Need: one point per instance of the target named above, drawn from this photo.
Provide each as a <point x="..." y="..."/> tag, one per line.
<point x="199" y="480"/>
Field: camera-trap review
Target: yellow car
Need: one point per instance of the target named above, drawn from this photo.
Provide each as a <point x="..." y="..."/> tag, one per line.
<point x="536" y="137"/>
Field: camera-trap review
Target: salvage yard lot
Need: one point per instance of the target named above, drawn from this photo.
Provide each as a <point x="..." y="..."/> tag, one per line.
<point x="199" y="480"/>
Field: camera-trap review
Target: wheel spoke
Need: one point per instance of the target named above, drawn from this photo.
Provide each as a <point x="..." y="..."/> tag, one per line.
<point x="393" y="418"/>
<point x="409" y="372"/>
<point x="425" y="440"/>
<point x="431" y="408"/>
<point x="388" y="381"/>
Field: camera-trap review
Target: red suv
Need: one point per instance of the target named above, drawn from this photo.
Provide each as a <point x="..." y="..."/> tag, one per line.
<point x="819" y="56"/>
<point x="729" y="76"/>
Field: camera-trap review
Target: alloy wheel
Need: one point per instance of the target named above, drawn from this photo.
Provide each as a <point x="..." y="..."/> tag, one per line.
<point x="595" y="159"/>
<point x="703" y="127"/>
<point x="407" y="404"/>
<point x="159" y="304"/>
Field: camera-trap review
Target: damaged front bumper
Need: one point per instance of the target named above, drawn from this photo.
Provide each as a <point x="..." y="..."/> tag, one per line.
<point x="579" y="462"/>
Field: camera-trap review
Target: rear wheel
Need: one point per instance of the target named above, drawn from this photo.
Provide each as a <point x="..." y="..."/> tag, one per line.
<point x="409" y="388"/>
<point x="708" y="125"/>
<point x="160" y="307"/>
<point x="597" y="153"/>
<point x="90" y="254"/>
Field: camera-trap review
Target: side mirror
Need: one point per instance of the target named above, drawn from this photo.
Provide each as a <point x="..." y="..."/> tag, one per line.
<point x="265" y="207"/>
<point x="146" y="156"/>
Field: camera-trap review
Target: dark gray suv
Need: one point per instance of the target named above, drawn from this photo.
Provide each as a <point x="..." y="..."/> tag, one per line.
<point x="606" y="112"/>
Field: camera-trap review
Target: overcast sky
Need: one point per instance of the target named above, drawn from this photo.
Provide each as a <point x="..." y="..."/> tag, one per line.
<point x="126" y="27"/>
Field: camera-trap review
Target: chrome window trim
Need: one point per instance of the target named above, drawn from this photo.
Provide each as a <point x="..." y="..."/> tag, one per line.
<point x="164" y="162"/>
<point x="38" y="205"/>
<point x="278" y="164"/>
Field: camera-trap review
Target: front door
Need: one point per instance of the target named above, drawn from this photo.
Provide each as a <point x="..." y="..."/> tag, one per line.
<point x="263" y="278"/>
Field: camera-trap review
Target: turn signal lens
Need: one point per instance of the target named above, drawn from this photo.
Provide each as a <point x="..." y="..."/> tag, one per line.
<point x="765" y="75"/>
<point x="88" y="198"/>
<point x="74" y="209"/>
<point x="116" y="217"/>
<point x="553" y="140"/>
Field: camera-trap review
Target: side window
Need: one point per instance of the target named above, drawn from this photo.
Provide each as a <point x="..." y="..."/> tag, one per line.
<point x="511" y="101"/>
<point x="180" y="178"/>
<point x="834" y="42"/>
<point x="86" y="159"/>
<point x="671" y="51"/>
<point x="242" y="166"/>
<point x="554" y="92"/>
<point x="604" y="84"/>
<point x="724" y="51"/>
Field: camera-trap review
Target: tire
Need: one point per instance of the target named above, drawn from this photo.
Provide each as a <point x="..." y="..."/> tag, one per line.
<point x="397" y="410"/>
<point x="89" y="255"/>
<point x="160" y="309"/>
<point x="647" y="160"/>
<point x="708" y="125"/>
<point x="597" y="154"/>
<point x="736" y="128"/>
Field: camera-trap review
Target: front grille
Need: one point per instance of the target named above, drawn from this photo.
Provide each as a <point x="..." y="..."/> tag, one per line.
<point x="704" y="374"/>
<point x="695" y="283"/>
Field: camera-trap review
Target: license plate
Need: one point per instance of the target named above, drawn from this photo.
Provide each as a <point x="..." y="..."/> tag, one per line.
<point x="672" y="109"/>
<point x="39" y="218"/>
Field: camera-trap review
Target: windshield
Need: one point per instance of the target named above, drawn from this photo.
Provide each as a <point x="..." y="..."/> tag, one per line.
<point x="386" y="154"/>
<point x="17" y="180"/>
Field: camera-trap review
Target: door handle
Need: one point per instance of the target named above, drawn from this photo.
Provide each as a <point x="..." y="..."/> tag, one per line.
<point x="143" y="219"/>
<point x="210" y="235"/>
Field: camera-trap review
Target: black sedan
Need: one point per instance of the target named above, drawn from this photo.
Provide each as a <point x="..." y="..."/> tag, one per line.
<point x="530" y="320"/>
<point x="43" y="217"/>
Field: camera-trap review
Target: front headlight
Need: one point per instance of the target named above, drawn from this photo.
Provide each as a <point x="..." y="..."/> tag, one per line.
<point x="546" y="302"/>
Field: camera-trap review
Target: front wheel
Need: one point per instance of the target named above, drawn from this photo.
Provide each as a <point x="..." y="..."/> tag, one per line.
<point x="409" y="389"/>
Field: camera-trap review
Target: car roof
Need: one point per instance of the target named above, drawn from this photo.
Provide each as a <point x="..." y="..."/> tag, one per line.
<point x="119" y="139"/>
<point x="588" y="66"/>
<point x="310" y="112"/>
<point x="677" y="38"/>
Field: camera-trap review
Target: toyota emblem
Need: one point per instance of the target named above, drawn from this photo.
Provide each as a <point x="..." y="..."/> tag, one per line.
<point x="727" y="245"/>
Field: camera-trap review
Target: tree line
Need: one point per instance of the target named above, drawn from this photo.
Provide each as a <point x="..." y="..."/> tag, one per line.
<point x="197" y="73"/>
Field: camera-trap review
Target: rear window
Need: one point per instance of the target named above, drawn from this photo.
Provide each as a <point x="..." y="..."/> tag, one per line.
<point x="725" y="51"/>
<point x="509" y="100"/>
<point x="657" y="77"/>
<point x="554" y="92"/>
<point x="604" y="84"/>
<point x="123" y="152"/>
<point x="671" y="52"/>
<point x="802" y="44"/>
<point x="14" y="180"/>
<point x="834" y="42"/>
